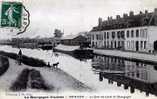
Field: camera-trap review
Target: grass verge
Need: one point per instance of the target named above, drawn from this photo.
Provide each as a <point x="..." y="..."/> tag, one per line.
<point x="25" y="59"/>
<point x="4" y="65"/>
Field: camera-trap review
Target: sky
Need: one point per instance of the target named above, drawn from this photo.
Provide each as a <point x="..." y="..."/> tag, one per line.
<point x="74" y="16"/>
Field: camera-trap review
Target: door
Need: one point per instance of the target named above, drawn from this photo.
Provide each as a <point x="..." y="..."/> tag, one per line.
<point x="137" y="46"/>
<point x="155" y="45"/>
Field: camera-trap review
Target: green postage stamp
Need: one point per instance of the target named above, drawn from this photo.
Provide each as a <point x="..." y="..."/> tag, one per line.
<point x="14" y="17"/>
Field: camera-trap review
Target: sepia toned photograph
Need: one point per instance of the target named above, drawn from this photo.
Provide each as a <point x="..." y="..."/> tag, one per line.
<point x="78" y="49"/>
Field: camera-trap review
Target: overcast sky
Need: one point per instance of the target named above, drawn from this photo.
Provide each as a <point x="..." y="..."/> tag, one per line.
<point x="75" y="16"/>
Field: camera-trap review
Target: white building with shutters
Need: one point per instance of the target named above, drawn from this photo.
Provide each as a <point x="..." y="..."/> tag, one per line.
<point x="131" y="32"/>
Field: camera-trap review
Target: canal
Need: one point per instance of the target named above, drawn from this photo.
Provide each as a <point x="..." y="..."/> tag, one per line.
<point x="104" y="74"/>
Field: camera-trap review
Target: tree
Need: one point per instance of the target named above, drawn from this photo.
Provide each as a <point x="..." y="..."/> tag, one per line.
<point x="58" y="33"/>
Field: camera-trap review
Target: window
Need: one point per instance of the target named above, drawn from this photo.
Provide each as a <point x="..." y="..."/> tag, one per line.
<point x="145" y="44"/>
<point x="141" y="33"/>
<point x="101" y="36"/>
<point x="118" y="43"/>
<point x="122" y="43"/>
<point x="108" y="43"/>
<point x="127" y="34"/>
<point x="137" y="64"/>
<point x="118" y="34"/>
<point x="128" y="44"/>
<point x="95" y="44"/>
<point x="92" y="36"/>
<point x="115" y="60"/>
<point x="97" y="36"/>
<point x="122" y="34"/>
<point x="132" y="44"/>
<point x="145" y="32"/>
<point x="105" y="44"/>
<point x="113" y="35"/>
<point x="115" y="44"/>
<point x="104" y="35"/>
<point x="137" y="33"/>
<point x="137" y="74"/>
<point x="92" y="44"/>
<point x="141" y="44"/>
<point x="133" y="74"/>
<point x="132" y="33"/>
<point x="107" y="35"/>
<point x="111" y="44"/>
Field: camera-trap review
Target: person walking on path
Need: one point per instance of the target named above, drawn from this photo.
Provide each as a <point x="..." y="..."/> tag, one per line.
<point x="20" y="57"/>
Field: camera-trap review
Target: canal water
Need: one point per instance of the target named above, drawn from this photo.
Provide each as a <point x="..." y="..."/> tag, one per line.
<point x="104" y="74"/>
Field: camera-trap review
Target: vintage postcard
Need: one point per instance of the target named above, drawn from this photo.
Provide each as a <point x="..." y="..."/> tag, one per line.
<point x="78" y="49"/>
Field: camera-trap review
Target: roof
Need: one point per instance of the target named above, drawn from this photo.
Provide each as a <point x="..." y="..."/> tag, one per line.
<point x="126" y="22"/>
<point x="69" y="37"/>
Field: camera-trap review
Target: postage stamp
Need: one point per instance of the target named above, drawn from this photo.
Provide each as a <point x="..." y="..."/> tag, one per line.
<point x="14" y="17"/>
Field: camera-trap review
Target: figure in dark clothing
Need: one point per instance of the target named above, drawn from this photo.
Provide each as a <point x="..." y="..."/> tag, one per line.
<point x="20" y="57"/>
<point x="48" y="64"/>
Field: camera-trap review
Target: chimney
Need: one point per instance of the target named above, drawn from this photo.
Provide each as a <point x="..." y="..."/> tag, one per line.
<point x="131" y="13"/>
<point x="125" y="15"/>
<point x="100" y="21"/>
<point x="108" y="18"/>
<point x="141" y="12"/>
<point x="117" y="16"/>
<point x="146" y="11"/>
<point x="155" y="17"/>
<point x="155" y="10"/>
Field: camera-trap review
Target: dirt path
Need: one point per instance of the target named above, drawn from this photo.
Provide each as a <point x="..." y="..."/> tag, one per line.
<point x="29" y="78"/>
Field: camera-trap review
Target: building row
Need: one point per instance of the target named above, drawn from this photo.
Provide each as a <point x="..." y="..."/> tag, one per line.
<point x="132" y="33"/>
<point x="76" y="40"/>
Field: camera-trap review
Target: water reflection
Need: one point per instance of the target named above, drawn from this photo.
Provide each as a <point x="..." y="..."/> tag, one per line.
<point x="132" y="75"/>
